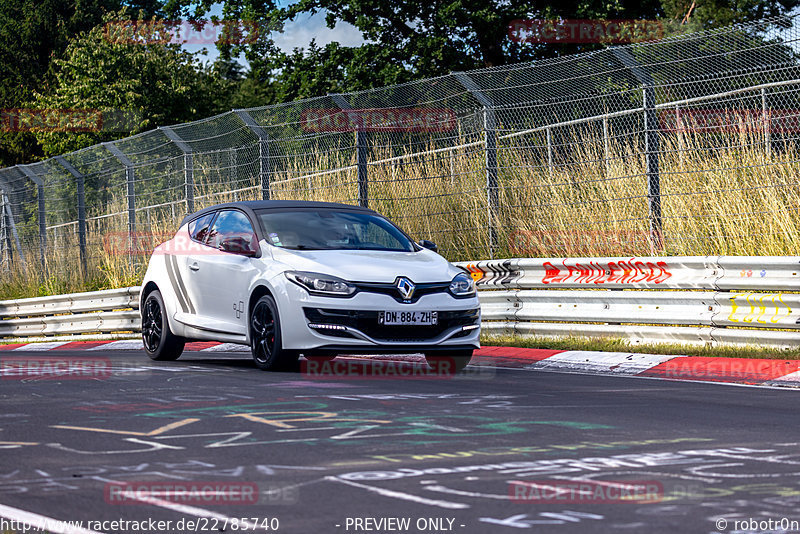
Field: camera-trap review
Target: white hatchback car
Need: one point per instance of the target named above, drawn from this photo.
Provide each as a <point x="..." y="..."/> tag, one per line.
<point x="311" y="278"/>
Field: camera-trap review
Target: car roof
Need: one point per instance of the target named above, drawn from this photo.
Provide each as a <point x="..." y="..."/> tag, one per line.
<point x="251" y="206"/>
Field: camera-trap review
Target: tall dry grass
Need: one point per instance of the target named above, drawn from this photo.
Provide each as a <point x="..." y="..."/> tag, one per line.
<point x="720" y="194"/>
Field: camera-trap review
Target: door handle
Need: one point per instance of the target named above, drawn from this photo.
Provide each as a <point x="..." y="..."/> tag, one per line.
<point x="194" y="267"/>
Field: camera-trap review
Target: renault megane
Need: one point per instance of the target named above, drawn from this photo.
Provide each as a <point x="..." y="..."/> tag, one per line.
<point x="311" y="278"/>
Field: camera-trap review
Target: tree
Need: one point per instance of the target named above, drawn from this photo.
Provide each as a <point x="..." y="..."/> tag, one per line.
<point x="32" y="34"/>
<point x="717" y="13"/>
<point x="158" y="83"/>
<point x="413" y="39"/>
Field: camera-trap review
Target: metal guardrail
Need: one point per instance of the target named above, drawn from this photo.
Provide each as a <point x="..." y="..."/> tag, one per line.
<point x="696" y="299"/>
<point x="693" y="299"/>
<point x="101" y="312"/>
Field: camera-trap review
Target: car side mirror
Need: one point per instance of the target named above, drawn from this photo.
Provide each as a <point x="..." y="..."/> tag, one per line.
<point x="430" y="245"/>
<point x="237" y="245"/>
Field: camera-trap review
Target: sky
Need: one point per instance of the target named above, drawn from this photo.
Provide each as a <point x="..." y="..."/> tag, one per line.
<point x="300" y="32"/>
<point x="296" y="34"/>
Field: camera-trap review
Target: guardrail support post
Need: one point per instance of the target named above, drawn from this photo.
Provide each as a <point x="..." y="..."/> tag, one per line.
<point x="188" y="165"/>
<point x="42" y="213"/>
<point x="490" y="143"/>
<point x="651" y="141"/>
<point x="264" y="170"/>
<point x="361" y="154"/>
<point x="81" y="194"/>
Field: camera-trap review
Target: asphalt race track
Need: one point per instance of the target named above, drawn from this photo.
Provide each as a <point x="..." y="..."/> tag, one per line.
<point x="493" y="450"/>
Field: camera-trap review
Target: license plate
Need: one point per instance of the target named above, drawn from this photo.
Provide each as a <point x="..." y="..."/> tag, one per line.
<point x="408" y="317"/>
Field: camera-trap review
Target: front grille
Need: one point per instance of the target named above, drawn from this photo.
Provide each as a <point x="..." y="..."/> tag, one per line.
<point x="367" y="322"/>
<point x="391" y="289"/>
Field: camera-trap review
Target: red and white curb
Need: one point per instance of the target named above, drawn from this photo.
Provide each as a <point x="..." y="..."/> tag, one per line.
<point x="767" y="372"/>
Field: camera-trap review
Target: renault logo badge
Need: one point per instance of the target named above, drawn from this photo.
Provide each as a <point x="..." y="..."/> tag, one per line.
<point x="405" y="287"/>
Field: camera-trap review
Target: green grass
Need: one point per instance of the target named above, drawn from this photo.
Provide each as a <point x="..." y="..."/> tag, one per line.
<point x="621" y="345"/>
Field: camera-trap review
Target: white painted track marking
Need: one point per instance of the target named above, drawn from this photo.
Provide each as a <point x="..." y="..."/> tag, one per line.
<point x="42" y="346"/>
<point x="625" y="363"/>
<point x="124" y="344"/>
<point x="44" y="523"/>
<point x="227" y="347"/>
<point x="400" y="495"/>
<point x="196" y="512"/>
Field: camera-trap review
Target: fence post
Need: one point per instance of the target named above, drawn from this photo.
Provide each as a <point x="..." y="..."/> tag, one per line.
<point x="81" y="194"/>
<point x="6" y="250"/>
<point x="606" y="149"/>
<point x="549" y="152"/>
<point x="188" y="165"/>
<point x="130" y="180"/>
<point x="5" y="190"/>
<point x="651" y="141"/>
<point x="361" y="153"/>
<point x="767" y="123"/>
<point x="42" y="213"/>
<point x="235" y="171"/>
<point x="263" y="150"/>
<point x="490" y="155"/>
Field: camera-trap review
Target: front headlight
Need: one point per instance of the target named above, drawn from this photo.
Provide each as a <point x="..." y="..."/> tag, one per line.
<point x="321" y="284"/>
<point x="462" y="285"/>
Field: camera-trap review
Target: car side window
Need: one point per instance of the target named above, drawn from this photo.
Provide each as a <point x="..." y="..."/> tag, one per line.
<point x="198" y="228"/>
<point x="232" y="224"/>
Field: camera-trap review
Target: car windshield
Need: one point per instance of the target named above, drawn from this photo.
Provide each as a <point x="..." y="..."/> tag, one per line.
<point x="310" y="229"/>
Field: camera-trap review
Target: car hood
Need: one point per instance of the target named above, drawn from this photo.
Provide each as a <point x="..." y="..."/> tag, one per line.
<point x="369" y="265"/>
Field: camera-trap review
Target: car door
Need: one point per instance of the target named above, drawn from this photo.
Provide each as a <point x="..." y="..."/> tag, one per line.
<point x="186" y="287"/>
<point x="220" y="274"/>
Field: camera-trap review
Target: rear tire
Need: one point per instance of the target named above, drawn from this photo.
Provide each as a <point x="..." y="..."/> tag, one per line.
<point x="159" y="341"/>
<point x="266" y="344"/>
<point x="449" y="363"/>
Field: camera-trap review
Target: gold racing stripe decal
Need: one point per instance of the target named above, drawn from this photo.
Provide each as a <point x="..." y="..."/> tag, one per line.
<point x="169" y="264"/>
<point x="183" y="287"/>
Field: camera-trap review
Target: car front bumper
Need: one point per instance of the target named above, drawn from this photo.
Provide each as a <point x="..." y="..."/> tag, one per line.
<point x="331" y="324"/>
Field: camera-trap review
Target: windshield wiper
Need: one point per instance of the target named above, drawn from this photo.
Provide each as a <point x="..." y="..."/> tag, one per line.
<point x="305" y="247"/>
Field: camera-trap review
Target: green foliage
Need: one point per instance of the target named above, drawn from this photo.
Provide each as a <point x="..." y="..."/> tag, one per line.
<point x="414" y="39"/>
<point x="717" y="13"/>
<point x="161" y="83"/>
<point x="53" y="53"/>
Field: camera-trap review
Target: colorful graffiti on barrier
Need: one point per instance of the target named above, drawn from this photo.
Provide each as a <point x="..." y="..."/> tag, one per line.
<point x="633" y="271"/>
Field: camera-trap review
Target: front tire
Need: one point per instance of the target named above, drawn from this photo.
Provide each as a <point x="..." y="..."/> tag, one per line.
<point x="159" y="341"/>
<point x="265" y="337"/>
<point x="449" y="363"/>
